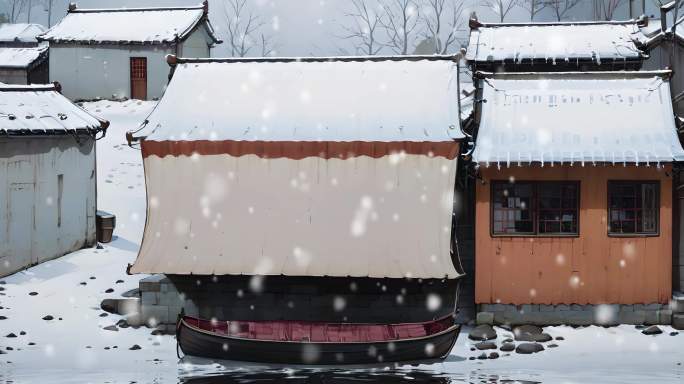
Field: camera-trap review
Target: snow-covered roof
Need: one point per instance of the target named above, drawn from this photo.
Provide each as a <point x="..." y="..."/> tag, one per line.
<point x="129" y="25"/>
<point x="32" y="110"/>
<point x="23" y="33"/>
<point x="394" y="99"/>
<point x="553" y="43"/>
<point x="612" y="117"/>
<point x="22" y="57"/>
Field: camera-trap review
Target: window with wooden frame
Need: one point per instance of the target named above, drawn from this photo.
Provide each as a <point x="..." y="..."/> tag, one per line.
<point x="535" y="208"/>
<point x="633" y="207"/>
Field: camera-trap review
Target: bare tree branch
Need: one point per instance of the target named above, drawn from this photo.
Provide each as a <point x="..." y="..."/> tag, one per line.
<point x="400" y="20"/>
<point x="561" y="8"/>
<point x="501" y="7"/>
<point x="434" y="24"/>
<point x="364" y="29"/>
<point x="605" y="9"/>
<point x="533" y="7"/>
<point x="243" y="28"/>
<point x="15" y="8"/>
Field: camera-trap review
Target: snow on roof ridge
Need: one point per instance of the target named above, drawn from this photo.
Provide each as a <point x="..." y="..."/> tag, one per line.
<point x="173" y="60"/>
<point x="475" y="23"/>
<point x="665" y="73"/>
<point x="73" y="8"/>
<point x="30" y="87"/>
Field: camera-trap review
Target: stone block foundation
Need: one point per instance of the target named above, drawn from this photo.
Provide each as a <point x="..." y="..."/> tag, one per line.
<point x="604" y="314"/>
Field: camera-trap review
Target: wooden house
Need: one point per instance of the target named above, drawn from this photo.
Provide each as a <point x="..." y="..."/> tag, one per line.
<point x="120" y="53"/>
<point x="574" y="198"/>
<point x="47" y="176"/>
<point x="325" y="188"/>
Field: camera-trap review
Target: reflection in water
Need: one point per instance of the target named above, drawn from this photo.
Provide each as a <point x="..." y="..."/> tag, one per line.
<point x="322" y="377"/>
<point x="311" y="376"/>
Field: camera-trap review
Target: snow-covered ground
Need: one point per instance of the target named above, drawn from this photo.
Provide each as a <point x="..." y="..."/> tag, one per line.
<point x="74" y="347"/>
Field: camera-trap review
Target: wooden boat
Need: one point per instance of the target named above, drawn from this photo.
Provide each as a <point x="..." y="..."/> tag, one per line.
<point x="299" y="342"/>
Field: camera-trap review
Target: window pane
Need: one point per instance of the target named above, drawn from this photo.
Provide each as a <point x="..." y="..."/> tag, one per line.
<point x="633" y="207"/>
<point x="512" y="206"/>
<point x="558" y="208"/>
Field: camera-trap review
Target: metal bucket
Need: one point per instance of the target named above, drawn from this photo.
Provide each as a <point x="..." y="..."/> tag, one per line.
<point x="105" y="223"/>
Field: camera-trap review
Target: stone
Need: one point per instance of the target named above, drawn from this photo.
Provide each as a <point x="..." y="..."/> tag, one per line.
<point x="11" y="335"/>
<point x="104" y="314"/>
<point x="530" y="333"/>
<point x="485" y="318"/>
<point x="119" y="281"/>
<point x="157" y="332"/>
<point x="678" y="321"/>
<point x="508" y="340"/>
<point x="3" y="318"/>
<point x="541" y="338"/>
<point x="109" y="305"/>
<point x="470" y="358"/>
<point x="122" y="324"/>
<point x="33" y="293"/>
<point x="83" y="283"/>
<point x="528" y="348"/>
<point x="674" y="333"/>
<point x="48" y="318"/>
<point x="109" y="290"/>
<point x="552" y="345"/>
<point x="482" y="357"/>
<point x="493" y="355"/>
<point x="135" y="347"/>
<point x="652" y="330"/>
<point x="482" y="332"/>
<point x="2" y="289"/>
<point x="31" y="343"/>
<point x="484" y="345"/>
<point x="507" y="347"/>
<point x="561" y="338"/>
<point x="112" y="328"/>
<point x="22" y="333"/>
<point x="532" y="329"/>
<point x="2" y="352"/>
<point x="99" y="246"/>
<point x="92" y="277"/>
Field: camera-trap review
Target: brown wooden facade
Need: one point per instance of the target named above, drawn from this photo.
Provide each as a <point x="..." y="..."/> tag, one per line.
<point x="592" y="267"/>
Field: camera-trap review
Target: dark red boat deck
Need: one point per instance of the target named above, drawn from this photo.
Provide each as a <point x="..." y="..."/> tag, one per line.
<point x="302" y="331"/>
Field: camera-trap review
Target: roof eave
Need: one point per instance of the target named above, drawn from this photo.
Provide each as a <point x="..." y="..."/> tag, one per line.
<point x="665" y="74"/>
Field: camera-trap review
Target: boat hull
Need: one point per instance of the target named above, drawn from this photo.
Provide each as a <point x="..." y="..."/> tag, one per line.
<point x="201" y="343"/>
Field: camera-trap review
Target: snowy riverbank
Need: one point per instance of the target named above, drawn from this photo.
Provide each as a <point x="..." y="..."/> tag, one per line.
<point x="74" y="347"/>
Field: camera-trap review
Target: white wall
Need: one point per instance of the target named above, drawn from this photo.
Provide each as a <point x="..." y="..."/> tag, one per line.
<point x="196" y="44"/>
<point x="31" y="230"/>
<point x="92" y="71"/>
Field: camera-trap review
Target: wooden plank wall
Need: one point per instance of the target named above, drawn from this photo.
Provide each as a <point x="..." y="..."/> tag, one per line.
<point x="590" y="269"/>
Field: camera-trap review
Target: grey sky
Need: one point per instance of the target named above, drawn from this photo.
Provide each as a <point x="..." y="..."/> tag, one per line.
<point x="299" y="27"/>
